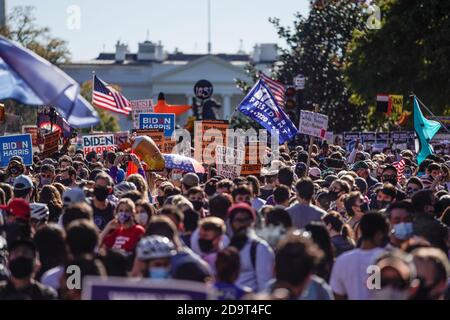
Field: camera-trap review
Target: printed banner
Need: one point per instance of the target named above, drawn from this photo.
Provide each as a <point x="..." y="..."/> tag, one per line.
<point x="313" y="124"/>
<point x="33" y="130"/>
<point x="138" y="107"/>
<point x="207" y="135"/>
<point x="98" y="143"/>
<point x="118" y="288"/>
<point x="51" y="143"/>
<point x="164" y="121"/>
<point x="16" y="145"/>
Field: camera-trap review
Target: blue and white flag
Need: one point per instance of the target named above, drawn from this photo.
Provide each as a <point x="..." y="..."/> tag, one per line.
<point x="30" y="79"/>
<point x="259" y="104"/>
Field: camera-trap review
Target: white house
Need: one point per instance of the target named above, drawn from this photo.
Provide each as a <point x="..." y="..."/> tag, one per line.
<point x="144" y="74"/>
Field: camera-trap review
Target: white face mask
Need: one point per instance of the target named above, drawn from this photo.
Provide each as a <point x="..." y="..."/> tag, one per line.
<point x="142" y="218"/>
<point x="176" y="176"/>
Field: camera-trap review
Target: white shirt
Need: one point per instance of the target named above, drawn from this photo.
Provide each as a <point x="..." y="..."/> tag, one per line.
<point x="349" y="274"/>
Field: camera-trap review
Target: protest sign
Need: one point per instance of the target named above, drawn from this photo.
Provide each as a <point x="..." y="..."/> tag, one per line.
<point x="164" y="144"/>
<point x="121" y="139"/>
<point x="252" y="164"/>
<point x="396" y="102"/>
<point x="138" y="107"/>
<point x="98" y="143"/>
<point x="33" y="130"/>
<point x="229" y="161"/>
<point x="121" y="288"/>
<point x="16" y="145"/>
<point x="51" y="143"/>
<point x="313" y="124"/>
<point x="164" y="121"/>
<point x="207" y="135"/>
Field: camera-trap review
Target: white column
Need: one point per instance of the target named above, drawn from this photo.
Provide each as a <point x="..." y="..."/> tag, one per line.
<point x="226" y="98"/>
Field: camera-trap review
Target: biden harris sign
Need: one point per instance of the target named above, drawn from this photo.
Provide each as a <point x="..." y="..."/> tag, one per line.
<point x="16" y="145"/>
<point x="164" y="121"/>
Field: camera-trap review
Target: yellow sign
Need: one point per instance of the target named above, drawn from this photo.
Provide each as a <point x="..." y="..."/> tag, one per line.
<point x="397" y="103"/>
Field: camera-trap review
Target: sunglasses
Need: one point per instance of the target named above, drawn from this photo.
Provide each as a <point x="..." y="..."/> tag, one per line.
<point x="387" y="177"/>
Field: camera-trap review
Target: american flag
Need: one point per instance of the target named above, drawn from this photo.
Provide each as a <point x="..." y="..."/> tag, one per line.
<point x="177" y="161"/>
<point x="106" y="97"/>
<point x="276" y="88"/>
<point x="400" y="166"/>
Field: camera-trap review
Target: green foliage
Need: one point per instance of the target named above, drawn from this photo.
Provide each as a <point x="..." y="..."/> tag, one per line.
<point x="21" y="27"/>
<point x="409" y="53"/>
<point x="317" y="49"/>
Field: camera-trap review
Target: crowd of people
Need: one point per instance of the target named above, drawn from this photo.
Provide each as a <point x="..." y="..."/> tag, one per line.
<point x="365" y="229"/>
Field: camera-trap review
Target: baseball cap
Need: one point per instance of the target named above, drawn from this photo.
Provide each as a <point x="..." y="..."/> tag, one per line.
<point x="23" y="182"/>
<point x="19" y="208"/>
<point x="360" y="165"/>
<point x="268" y="172"/>
<point x="190" y="179"/>
<point x="241" y="206"/>
<point x="73" y="195"/>
<point x="315" y="172"/>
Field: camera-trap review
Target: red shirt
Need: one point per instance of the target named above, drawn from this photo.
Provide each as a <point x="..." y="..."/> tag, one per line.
<point x="125" y="239"/>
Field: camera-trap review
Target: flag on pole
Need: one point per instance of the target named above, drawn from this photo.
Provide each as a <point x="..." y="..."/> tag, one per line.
<point x="276" y="88"/>
<point x="425" y="130"/>
<point x="259" y="104"/>
<point x="106" y="97"/>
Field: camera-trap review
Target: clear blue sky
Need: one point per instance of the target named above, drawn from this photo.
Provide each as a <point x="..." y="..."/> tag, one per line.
<point x="178" y="24"/>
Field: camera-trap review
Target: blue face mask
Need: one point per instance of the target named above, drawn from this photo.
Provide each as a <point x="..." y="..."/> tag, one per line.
<point x="403" y="231"/>
<point x="159" y="273"/>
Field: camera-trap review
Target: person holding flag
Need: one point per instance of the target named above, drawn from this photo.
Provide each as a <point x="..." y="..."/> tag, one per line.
<point x="260" y="105"/>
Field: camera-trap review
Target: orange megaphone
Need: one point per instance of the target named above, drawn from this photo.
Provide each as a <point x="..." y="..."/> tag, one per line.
<point x="145" y="148"/>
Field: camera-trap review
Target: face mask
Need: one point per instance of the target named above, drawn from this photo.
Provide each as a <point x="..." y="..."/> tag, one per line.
<point x="123" y="217"/>
<point x="381" y="204"/>
<point x="67" y="182"/>
<point x="364" y="207"/>
<point x="176" y="176"/>
<point x="198" y="204"/>
<point x="46" y="181"/>
<point x="142" y="218"/>
<point x="333" y="195"/>
<point x="160" y="200"/>
<point x="21" y="267"/>
<point x="389" y="293"/>
<point x="100" y="193"/>
<point x="403" y="231"/>
<point x="159" y="273"/>
<point x="205" y="245"/>
<point x="239" y="239"/>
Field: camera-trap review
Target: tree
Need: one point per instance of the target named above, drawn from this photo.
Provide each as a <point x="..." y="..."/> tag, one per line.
<point x="21" y="27"/>
<point x="410" y="52"/>
<point x="316" y="47"/>
<point x="108" y="122"/>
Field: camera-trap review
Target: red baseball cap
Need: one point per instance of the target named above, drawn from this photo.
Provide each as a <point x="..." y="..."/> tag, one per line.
<point x="241" y="206"/>
<point x="19" y="208"/>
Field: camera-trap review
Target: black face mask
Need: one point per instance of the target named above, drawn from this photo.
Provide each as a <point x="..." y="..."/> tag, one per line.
<point x="21" y="267"/>
<point x="198" y="204"/>
<point x="160" y="200"/>
<point x="66" y="182"/>
<point x="206" y="245"/>
<point x="381" y="204"/>
<point x="364" y="207"/>
<point x="239" y="239"/>
<point x="333" y="195"/>
<point x="101" y="193"/>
